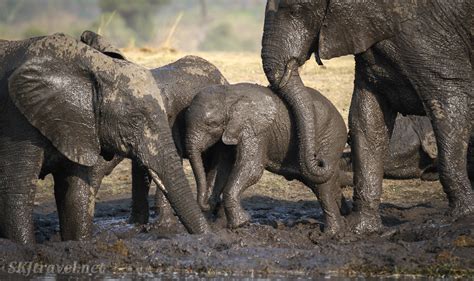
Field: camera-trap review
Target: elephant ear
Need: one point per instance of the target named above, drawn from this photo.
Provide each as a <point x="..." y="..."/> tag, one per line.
<point x="352" y="27"/>
<point x="249" y="117"/>
<point x="101" y="44"/>
<point x="58" y="101"/>
<point x="424" y="130"/>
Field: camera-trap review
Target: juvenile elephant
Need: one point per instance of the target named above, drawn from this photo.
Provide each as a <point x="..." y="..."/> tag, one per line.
<point x="64" y="106"/>
<point x="412" y="151"/>
<point x="411" y="57"/>
<point x="178" y="83"/>
<point x="256" y="123"/>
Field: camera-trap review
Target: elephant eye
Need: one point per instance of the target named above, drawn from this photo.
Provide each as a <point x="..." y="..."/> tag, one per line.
<point x="213" y="123"/>
<point x="296" y="9"/>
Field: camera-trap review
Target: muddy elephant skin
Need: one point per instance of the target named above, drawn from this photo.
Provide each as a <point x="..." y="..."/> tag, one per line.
<point x="255" y="123"/>
<point x="178" y="83"/>
<point x="65" y="106"/>
<point x="412" y="152"/>
<point x="412" y="57"/>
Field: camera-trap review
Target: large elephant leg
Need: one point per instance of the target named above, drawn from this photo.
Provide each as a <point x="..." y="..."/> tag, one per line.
<point x="19" y="169"/>
<point x="450" y="116"/>
<point x="371" y="122"/>
<point x="75" y="201"/>
<point x="140" y="207"/>
<point x="140" y="188"/>
<point x="470" y="159"/>
<point x="73" y="186"/>
<point x="164" y="211"/>
<point x="248" y="169"/>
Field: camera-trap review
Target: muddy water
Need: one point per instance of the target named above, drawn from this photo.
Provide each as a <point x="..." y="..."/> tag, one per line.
<point x="283" y="240"/>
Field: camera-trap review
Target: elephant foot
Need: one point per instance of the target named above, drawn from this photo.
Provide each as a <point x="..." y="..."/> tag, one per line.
<point x="138" y="218"/>
<point x="238" y="219"/>
<point x="462" y="207"/>
<point x="166" y="218"/>
<point x="319" y="236"/>
<point x="334" y="228"/>
<point x="166" y="221"/>
<point x="364" y="222"/>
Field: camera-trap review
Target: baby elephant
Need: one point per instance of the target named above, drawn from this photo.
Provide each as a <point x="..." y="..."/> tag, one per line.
<point x="256" y="124"/>
<point x="412" y="152"/>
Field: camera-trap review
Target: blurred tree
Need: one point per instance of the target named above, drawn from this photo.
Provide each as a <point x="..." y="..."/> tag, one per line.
<point x="138" y="14"/>
<point x="9" y="9"/>
<point x="203" y="5"/>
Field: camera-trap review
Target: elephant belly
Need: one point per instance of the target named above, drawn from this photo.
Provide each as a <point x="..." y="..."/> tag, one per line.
<point x="383" y="70"/>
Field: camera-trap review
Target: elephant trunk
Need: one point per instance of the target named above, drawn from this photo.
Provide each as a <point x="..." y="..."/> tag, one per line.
<point x="170" y="177"/>
<point x="289" y="85"/>
<point x="195" y="158"/>
<point x="197" y="141"/>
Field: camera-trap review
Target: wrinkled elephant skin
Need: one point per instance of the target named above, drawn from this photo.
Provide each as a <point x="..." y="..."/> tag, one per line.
<point x="64" y="106"/>
<point x="412" y="57"/>
<point x="258" y="131"/>
<point x="412" y="151"/>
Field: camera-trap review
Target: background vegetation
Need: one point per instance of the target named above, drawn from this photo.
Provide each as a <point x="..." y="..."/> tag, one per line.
<point x="186" y="25"/>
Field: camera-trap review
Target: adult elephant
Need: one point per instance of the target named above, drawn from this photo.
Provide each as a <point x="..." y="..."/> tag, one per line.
<point x="64" y="106"/>
<point x="178" y="83"/>
<point x="412" y="57"/>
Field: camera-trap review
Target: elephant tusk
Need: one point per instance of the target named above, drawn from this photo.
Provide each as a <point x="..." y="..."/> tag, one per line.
<point x="157" y="181"/>
<point x="288" y="71"/>
<point x="318" y="59"/>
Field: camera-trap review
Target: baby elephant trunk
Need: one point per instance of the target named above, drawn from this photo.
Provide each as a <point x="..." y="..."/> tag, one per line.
<point x="195" y="158"/>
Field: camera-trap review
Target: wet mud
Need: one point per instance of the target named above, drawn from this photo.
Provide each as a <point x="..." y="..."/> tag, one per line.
<point x="283" y="238"/>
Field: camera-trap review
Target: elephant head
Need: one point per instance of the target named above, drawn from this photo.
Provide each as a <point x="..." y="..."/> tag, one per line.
<point x="88" y="104"/>
<point x="295" y="29"/>
<point x="227" y="113"/>
<point x="101" y="44"/>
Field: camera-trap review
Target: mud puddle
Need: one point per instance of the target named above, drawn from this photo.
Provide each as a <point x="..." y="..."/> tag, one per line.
<point x="282" y="241"/>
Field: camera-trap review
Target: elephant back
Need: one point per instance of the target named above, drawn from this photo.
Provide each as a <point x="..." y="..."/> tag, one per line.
<point x="181" y="80"/>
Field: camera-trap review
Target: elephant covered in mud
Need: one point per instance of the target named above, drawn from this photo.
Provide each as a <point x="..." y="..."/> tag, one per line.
<point x="412" y="57"/>
<point x="64" y="107"/>
<point x="412" y="151"/>
<point x="259" y="133"/>
<point x="178" y="83"/>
